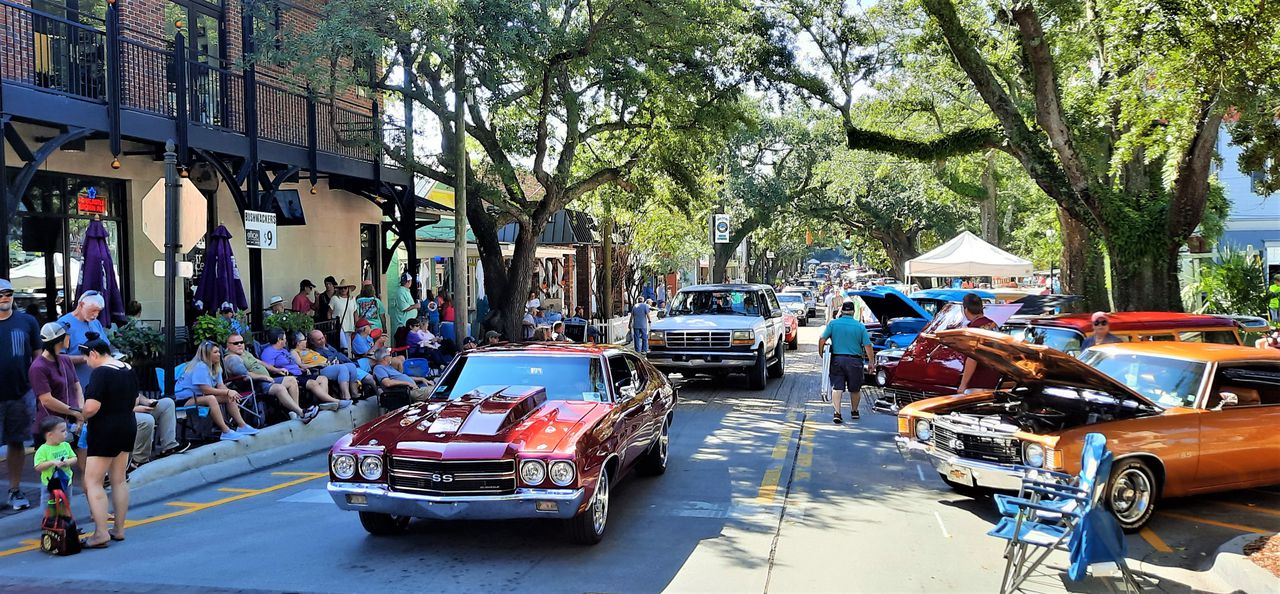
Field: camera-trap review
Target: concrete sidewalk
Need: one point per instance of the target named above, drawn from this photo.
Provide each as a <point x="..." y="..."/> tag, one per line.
<point x="209" y="463"/>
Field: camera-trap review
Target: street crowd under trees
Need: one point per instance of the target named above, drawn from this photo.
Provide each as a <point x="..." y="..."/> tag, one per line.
<point x="883" y="128"/>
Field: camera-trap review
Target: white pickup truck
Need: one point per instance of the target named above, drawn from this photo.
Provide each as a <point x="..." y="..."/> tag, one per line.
<point x="721" y="329"/>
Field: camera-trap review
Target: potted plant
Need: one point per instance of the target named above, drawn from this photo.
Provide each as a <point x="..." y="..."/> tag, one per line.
<point x="145" y="347"/>
<point x="214" y="328"/>
<point x="290" y="322"/>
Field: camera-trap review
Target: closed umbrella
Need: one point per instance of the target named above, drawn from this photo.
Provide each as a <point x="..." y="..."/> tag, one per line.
<point x="98" y="273"/>
<point x="220" y="278"/>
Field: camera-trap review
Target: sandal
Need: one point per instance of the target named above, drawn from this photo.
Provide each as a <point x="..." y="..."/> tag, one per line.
<point x="84" y="544"/>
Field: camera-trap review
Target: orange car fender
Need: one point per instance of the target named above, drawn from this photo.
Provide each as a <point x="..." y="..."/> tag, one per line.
<point x="1169" y="442"/>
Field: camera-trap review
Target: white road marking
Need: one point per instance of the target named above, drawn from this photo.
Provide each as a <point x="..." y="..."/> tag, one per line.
<point x="945" y="534"/>
<point x="920" y="471"/>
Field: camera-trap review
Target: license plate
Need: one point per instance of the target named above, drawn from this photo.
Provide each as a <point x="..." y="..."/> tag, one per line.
<point x="961" y="475"/>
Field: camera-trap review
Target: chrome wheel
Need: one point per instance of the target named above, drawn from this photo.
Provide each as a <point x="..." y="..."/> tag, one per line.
<point x="1131" y="493"/>
<point x="600" y="503"/>
<point x="664" y="440"/>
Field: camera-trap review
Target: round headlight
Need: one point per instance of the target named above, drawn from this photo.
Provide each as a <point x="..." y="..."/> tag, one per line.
<point x="924" y="430"/>
<point x="533" y="472"/>
<point x="562" y="472"/>
<point x="1034" y="455"/>
<point x="371" y="467"/>
<point x="343" y="466"/>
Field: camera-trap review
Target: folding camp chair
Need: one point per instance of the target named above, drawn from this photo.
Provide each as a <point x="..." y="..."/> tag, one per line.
<point x="183" y="413"/>
<point x="1051" y="515"/>
<point x="253" y="405"/>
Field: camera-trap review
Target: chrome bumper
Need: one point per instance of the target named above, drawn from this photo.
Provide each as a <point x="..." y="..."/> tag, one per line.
<point x="521" y="504"/>
<point x="987" y="475"/>
<point x="664" y="359"/>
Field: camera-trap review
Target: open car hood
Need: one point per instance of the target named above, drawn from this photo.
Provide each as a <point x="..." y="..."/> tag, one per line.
<point x="887" y="303"/>
<point x="1025" y="362"/>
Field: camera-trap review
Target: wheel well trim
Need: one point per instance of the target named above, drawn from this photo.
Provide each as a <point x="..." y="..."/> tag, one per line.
<point x="1157" y="467"/>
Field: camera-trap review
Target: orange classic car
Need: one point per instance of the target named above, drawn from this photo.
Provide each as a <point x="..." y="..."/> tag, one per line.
<point x="1181" y="418"/>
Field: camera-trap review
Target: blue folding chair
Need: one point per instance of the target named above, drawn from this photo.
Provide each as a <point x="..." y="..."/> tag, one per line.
<point x="1055" y="514"/>
<point x="417" y="367"/>
<point x="181" y="412"/>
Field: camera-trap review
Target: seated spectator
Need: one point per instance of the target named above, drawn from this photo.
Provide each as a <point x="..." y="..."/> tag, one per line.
<point x="155" y="415"/>
<point x="320" y="344"/>
<point x="554" y="316"/>
<point x="557" y="333"/>
<point x="492" y="338"/>
<point x="579" y="315"/>
<point x="380" y="340"/>
<point x="389" y="376"/>
<point x="540" y="317"/>
<point x="542" y="334"/>
<point x="276" y="305"/>
<point x="337" y="372"/>
<point x="362" y="344"/>
<point x="228" y="313"/>
<point x="201" y="383"/>
<point x="529" y="323"/>
<point x="277" y="355"/>
<point x="238" y="362"/>
<point x="469" y="343"/>
<point x="422" y="343"/>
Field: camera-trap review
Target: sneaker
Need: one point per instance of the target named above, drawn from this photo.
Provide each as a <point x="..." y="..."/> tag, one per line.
<point x="246" y="430"/>
<point x="855" y="415"/>
<point x="344" y="404"/>
<point x="837" y="419"/>
<point x="230" y="436"/>
<point x="310" y="413"/>
<point x="17" y="500"/>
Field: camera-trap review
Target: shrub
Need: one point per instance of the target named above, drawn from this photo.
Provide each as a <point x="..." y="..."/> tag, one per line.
<point x="1234" y="284"/>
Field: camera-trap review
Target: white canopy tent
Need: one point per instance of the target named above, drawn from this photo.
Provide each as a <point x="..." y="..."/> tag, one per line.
<point x="968" y="255"/>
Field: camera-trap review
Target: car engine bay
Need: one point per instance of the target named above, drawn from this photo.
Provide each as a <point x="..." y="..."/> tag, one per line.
<point x="1044" y="410"/>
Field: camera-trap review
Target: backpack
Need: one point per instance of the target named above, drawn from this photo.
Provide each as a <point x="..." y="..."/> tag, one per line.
<point x="58" y="532"/>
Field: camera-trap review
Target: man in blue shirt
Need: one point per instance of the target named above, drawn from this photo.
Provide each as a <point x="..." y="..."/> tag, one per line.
<point x="80" y="322"/>
<point x="640" y="326"/>
<point x="362" y="344"/>
<point x="390" y="377"/>
<point x="19" y="344"/>
<point x="850" y="342"/>
<point x="320" y="344"/>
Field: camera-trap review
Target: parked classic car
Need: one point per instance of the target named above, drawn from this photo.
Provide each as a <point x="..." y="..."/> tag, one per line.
<point x="533" y="431"/>
<point x="720" y="329"/>
<point x="810" y="298"/>
<point x="928" y="368"/>
<point x="792" y="325"/>
<point x="1181" y="418"/>
<point x="796" y="305"/>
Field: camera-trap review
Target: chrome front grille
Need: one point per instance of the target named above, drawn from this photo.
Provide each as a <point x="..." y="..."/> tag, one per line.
<point x="452" y="477"/>
<point x="699" y="339"/>
<point x="989" y="448"/>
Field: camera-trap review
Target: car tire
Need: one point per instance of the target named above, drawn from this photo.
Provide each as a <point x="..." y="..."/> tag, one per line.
<point x="758" y="374"/>
<point x="1132" y="492"/>
<point x="380" y="524"/>
<point x="654" y="460"/>
<point x="779" y="366"/>
<point x="804" y="321"/>
<point x="589" y="526"/>
<point x="794" y="343"/>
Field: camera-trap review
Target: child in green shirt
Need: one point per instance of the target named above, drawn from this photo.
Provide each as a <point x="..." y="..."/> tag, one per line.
<point x="55" y="452"/>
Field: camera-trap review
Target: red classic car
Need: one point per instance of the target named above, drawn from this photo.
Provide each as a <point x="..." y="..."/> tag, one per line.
<point x="532" y="431"/>
<point x="929" y="368"/>
<point x="793" y="330"/>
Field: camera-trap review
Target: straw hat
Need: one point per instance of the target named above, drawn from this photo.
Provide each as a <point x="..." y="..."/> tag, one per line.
<point x="343" y="284"/>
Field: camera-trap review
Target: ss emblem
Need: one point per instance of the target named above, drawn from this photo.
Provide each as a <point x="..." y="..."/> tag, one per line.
<point x="440" y="478"/>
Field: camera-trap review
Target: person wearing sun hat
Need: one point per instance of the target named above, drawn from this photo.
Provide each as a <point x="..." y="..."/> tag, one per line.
<point x="343" y="307"/>
<point x="275" y="305"/>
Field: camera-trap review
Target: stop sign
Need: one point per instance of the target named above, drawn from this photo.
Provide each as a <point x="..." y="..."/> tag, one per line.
<point x="193" y="215"/>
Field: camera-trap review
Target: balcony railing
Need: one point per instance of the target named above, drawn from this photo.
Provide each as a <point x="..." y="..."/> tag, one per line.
<point x="71" y="58"/>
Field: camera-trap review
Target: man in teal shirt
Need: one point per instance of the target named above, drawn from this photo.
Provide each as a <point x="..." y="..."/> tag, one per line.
<point x="850" y="342"/>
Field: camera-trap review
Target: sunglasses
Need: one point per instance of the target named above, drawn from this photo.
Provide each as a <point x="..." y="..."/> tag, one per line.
<point x="6" y="293"/>
<point x="1101" y="323"/>
<point x="236" y="343"/>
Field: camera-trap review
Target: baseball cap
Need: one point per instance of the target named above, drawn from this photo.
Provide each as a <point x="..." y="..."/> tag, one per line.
<point x="405" y="277"/>
<point x="361" y="323"/>
<point x="52" y="331"/>
<point x="1098" y="315"/>
<point x="306" y="282"/>
<point x="847" y="306"/>
<point x="5" y="285"/>
<point x="275" y="299"/>
<point x="226" y="306"/>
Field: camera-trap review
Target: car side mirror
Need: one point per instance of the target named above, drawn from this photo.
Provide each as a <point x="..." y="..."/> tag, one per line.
<point x="1228" y="399"/>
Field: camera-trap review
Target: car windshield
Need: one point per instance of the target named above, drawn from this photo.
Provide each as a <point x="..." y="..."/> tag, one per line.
<point x="1167" y="382"/>
<point x="565" y="377"/>
<point x="1062" y="339"/>
<point x="791" y="298"/>
<point x="743" y="303"/>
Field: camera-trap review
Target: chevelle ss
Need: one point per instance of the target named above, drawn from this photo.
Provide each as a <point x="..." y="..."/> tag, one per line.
<point x="1181" y="418"/>
<point x="529" y="431"/>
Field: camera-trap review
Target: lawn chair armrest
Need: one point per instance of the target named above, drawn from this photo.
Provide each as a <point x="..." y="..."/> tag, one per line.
<point x="1066" y="492"/>
<point x="1024" y="504"/>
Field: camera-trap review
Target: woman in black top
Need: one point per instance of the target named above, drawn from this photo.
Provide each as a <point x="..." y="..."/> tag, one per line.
<point x="108" y="408"/>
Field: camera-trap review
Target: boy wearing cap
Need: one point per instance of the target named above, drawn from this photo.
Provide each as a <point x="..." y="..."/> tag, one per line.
<point x="302" y="301"/>
<point x="228" y="311"/>
<point x="19" y="343"/>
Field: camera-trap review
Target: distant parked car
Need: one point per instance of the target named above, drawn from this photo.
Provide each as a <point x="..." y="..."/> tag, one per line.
<point x="794" y="303"/>
<point x="810" y="299"/>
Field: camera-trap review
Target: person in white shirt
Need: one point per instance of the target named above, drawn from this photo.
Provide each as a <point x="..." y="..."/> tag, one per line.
<point x="834" y="301"/>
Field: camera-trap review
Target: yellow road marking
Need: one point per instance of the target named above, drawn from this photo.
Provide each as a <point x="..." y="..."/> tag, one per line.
<point x="30" y="542"/>
<point x="769" y="486"/>
<point x="235" y="490"/>
<point x="1257" y="509"/>
<point x="195" y="507"/>
<point x="182" y="504"/>
<point x="784" y="444"/>
<point x="1191" y="518"/>
<point x="1154" y="540"/>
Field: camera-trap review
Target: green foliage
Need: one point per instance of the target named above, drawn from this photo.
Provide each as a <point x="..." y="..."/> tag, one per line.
<point x="289" y="321"/>
<point x="140" y="341"/>
<point x="1234" y="284"/>
<point x="212" y="328"/>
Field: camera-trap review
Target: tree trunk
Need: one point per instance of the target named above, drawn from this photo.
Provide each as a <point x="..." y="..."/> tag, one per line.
<point x="988" y="213"/>
<point x="1146" y="279"/>
<point x="721" y="254"/>
<point x="899" y="246"/>
<point x="1081" y="265"/>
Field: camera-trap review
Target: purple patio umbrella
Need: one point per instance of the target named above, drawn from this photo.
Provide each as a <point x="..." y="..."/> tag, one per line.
<point x="98" y="273"/>
<point x="220" y="278"/>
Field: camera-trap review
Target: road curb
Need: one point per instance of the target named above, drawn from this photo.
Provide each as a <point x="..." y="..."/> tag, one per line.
<point x="1233" y="568"/>
<point x="220" y="461"/>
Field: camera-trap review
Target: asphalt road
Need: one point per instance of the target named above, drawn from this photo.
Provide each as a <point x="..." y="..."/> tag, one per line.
<point x="763" y="494"/>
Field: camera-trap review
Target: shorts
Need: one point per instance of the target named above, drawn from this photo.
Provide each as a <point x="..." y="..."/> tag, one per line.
<point x="15" y="421"/>
<point x="846" y="373"/>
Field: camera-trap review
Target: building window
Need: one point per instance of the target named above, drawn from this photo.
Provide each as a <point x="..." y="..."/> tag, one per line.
<point x="1256" y="178"/>
<point x="46" y="238"/>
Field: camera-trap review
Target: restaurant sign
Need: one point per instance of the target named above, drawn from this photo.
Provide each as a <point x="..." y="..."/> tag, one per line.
<point x="89" y="202"/>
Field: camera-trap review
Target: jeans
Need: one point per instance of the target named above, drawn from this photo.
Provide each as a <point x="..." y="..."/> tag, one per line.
<point x="344" y="372"/>
<point x="641" y="338"/>
<point x="1275" y="314"/>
